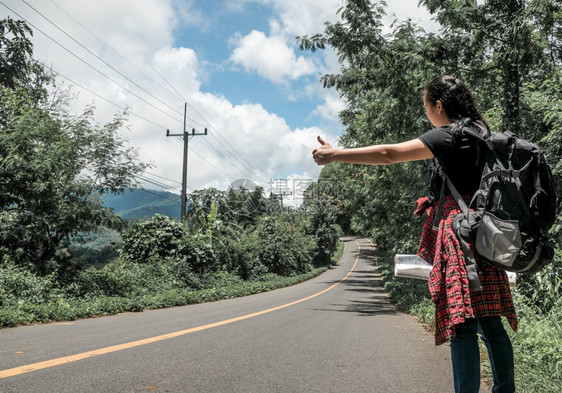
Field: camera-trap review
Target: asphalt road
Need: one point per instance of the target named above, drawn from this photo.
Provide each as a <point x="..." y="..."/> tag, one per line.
<point x="336" y="333"/>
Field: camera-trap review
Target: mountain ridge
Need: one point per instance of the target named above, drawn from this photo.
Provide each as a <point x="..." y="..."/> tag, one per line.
<point x="143" y="203"/>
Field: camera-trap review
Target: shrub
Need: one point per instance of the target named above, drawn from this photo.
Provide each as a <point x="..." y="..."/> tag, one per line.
<point x="19" y="284"/>
<point x="322" y="225"/>
<point x="166" y="239"/>
<point x="115" y="279"/>
<point x="544" y="289"/>
<point x="158" y="236"/>
<point x="282" y="247"/>
<point x="245" y="257"/>
<point x="537" y="347"/>
<point x="327" y="241"/>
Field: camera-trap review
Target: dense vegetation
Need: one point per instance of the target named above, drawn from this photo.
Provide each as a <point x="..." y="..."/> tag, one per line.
<point x="163" y="262"/>
<point x="55" y="168"/>
<point x="510" y="53"/>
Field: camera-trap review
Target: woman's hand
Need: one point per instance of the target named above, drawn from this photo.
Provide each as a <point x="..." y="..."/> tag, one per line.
<point x="323" y="154"/>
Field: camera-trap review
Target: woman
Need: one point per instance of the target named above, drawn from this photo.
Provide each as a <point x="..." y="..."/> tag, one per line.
<point x="460" y="312"/>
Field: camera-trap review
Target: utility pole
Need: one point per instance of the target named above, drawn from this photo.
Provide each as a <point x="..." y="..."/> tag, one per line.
<point x="281" y="194"/>
<point x="185" y="136"/>
<point x="280" y="189"/>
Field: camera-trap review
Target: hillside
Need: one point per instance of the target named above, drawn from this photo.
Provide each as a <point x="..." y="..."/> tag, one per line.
<point x="143" y="203"/>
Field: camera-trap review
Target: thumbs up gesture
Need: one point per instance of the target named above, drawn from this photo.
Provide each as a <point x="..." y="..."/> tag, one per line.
<point x="323" y="154"/>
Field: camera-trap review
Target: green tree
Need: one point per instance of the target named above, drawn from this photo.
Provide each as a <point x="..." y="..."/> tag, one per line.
<point x="507" y="51"/>
<point x="200" y="205"/>
<point x="17" y="66"/>
<point x="53" y="165"/>
<point x="244" y="207"/>
<point x="501" y="46"/>
<point x="161" y="238"/>
<point x="380" y="79"/>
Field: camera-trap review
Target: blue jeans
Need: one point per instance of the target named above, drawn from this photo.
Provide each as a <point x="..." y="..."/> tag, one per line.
<point x="465" y="355"/>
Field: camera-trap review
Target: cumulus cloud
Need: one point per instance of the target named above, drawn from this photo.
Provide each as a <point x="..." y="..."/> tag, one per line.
<point x="244" y="140"/>
<point x="274" y="57"/>
<point x="181" y="67"/>
<point x="304" y="17"/>
<point x="270" y="57"/>
<point x="332" y="106"/>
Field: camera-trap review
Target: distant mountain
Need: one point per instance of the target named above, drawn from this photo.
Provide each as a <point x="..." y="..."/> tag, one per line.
<point x="142" y="203"/>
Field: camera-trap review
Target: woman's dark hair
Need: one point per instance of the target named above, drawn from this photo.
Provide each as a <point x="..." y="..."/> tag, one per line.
<point x="457" y="101"/>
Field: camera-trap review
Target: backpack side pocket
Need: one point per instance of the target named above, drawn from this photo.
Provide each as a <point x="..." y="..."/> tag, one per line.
<point x="498" y="240"/>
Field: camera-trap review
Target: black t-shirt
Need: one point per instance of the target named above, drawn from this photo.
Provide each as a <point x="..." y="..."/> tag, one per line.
<point x="458" y="157"/>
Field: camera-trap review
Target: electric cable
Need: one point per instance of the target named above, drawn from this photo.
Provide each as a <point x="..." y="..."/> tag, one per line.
<point x="161" y="185"/>
<point x="100" y="59"/>
<point x="89" y="65"/>
<point x="125" y="60"/>
<point x="108" y="101"/>
<point x="228" y="159"/>
<point x="160" y="196"/>
<point x="162" y="177"/>
<point x="218" y="133"/>
<point x="213" y="165"/>
<point x="246" y="164"/>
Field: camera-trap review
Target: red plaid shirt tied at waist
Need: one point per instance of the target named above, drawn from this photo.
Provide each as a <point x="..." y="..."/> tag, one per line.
<point x="448" y="282"/>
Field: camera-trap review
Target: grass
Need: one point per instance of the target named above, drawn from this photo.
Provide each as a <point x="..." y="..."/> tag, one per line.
<point x="339" y="252"/>
<point x="70" y="308"/>
<point x="537" y="347"/>
<point x="123" y="287"/>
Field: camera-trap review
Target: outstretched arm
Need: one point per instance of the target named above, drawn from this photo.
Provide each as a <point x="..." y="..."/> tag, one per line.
<point x="412" y="150"/>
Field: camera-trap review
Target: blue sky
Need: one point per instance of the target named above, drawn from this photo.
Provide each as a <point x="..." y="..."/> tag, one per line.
<point x="236" y="63"/>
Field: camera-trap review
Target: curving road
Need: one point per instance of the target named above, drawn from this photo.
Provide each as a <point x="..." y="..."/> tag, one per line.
<point x="336" y="333"/>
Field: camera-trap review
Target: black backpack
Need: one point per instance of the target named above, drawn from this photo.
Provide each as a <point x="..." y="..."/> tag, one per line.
<point x="513" y="209"/>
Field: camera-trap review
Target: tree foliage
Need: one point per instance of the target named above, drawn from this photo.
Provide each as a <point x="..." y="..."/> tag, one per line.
<point x="18" y="69"/>
<point x="53" y="165"/>
<point x="507" y="51"/>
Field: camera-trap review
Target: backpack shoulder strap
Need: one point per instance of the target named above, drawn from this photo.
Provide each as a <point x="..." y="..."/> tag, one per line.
<point x="447" y="183"/>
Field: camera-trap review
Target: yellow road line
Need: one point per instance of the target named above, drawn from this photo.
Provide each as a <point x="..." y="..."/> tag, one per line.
<point x="11" y="372"/>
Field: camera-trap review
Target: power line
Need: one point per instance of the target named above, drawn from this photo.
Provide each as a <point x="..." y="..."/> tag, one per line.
<point x="245" y="164"/>
<point x="103" y="42"/>
<point x="214" y="166"/>
<point x="246" y="174"/>
<point x="170" y="85"/>
<point x="108" y="101"/>
<point x="238" y="160"/>
<point x="242" y="161"/>
<point x="162" y="177"/>
<point x="113" y="68"/>
<point x="99" y="58"/>
<point x="127" y="61"/>
<point x="218" y="133"/>
<point x="88" y="64"/>
<point x="156" y="183"/>
<point x="158" y="195"/>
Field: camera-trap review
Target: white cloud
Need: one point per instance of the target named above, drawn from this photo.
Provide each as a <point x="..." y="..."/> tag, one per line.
<point x="332" y="106"/>
<point x="270" y="57"/>
<point x="244" y="140"/>
<point x="408" y="9"/>
<point x="274" y="57"/>
<point x="181" y="67"/>
<point x="303" y="17"/>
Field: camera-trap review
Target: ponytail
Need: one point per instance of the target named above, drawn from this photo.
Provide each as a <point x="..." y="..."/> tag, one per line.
<point x="457" y="101"/>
